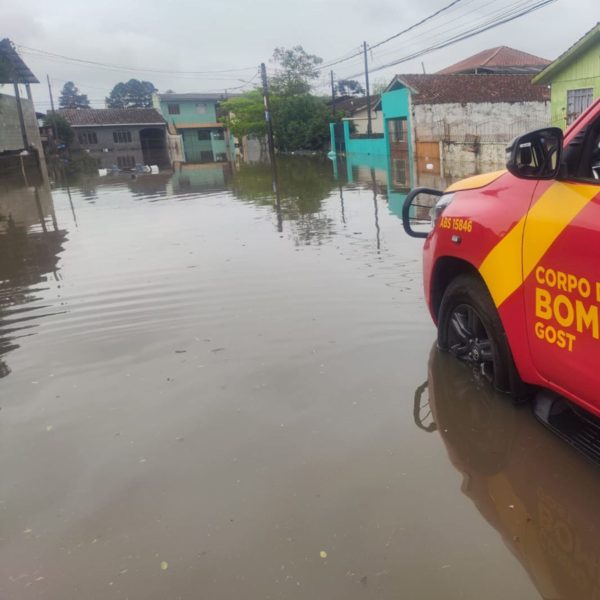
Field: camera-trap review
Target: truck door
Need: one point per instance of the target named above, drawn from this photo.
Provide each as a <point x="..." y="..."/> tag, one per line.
<point x="561" y="270"/>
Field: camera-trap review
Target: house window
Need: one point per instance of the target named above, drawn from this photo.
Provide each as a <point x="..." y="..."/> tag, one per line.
<point x="173" y="109"/>
<point x="220" y="157"/>
<point x="204" y="134"/>
<point x="125" y="162"/>
<point x="88" y="138"/>
<point x="218" y="134"/>
<point x="206" y="156"/>
<point x="122" y="137"/>
<point x="201" y="108"/>
<point x="577" y="102"/>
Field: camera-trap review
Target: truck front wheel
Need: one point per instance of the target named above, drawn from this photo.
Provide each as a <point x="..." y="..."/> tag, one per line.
<point x="470" y="328"/>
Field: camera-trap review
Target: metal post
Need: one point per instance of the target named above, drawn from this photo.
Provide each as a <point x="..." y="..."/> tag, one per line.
<point x="369" y="127"/>
<point x="21" y="118"/>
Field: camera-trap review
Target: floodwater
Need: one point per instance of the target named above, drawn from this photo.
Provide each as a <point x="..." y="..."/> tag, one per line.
<point x="202" y="396"/>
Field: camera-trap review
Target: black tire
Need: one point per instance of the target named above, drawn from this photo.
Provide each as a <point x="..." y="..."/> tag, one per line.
<point x="470" y="328"/>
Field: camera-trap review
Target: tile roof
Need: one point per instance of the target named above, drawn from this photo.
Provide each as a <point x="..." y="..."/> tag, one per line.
<point x="81" y="117"/>
<point x="353" y="104"/>
<point x="16" y="70"/>
<point x="501" y="58"/>
<point x="444" y="89"/>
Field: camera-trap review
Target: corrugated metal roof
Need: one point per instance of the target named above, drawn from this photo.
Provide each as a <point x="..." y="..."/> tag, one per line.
<point x="444" y="89"/>
<point x="12" y="67"/>
<point x="112" y="116"/>
<point x="501" y="58"/>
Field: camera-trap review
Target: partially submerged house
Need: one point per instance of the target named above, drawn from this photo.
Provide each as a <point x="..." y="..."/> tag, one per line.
<point x="574" y="78"/>
<point x="194" y="118"/>
<point x="459" y="119"/>
<point x="122" y="137"/>
<point x="19" y="132"/>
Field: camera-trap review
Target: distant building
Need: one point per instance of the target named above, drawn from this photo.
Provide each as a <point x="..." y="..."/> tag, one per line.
<point x="443" y="123"/>
<point x="122" y="137"/>
<point x="194" y="118"/>
<point x="574" y="78"/>
<point x="355" y="108"/>
<point x="499" y="60"/>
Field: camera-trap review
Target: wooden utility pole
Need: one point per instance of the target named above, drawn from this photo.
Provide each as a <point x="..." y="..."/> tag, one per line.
<point x="269" y="121"/>
<point x="21" y="118"/>
<point x="54" y="129"/>
<point x="369" y="126"/>
<point x="332" y="96"/>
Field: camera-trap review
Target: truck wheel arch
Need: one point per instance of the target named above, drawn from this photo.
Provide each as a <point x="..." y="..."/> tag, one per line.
<point x="447" y="268"/>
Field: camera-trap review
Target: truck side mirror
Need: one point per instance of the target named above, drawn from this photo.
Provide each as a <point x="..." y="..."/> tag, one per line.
<point x="537" y="154"/>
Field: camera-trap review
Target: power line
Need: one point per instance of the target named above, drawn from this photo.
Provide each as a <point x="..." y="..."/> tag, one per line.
<point x="53" y="55"/>
<point x="463" y="36"/>
<point x="385" y="41"/>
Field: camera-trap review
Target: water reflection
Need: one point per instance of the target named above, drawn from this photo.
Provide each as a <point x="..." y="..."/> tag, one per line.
<point x="30" y="244"/>
<point x="534" y="490"/>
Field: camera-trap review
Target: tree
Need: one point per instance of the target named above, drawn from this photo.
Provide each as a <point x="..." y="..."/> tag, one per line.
<point x="349" y="87"/>
<point x="297" y="70"/>
<point x="245" y="115"/>
<point x="64" y="131"/>
<point x="71" y="98"/>
<point x="380" y="86"/>
<point x="132" y="94"/>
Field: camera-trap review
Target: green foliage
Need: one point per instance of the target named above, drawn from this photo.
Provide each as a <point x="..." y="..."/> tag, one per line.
<point x="63" y="130"/>
<point x="71" y="98"/>
<point x="296" y="70"/>
<point x="300" y="122"/>
<point x="245" y="115"/>
<point x="132" y="94"/>
<point x="349" y="87"/>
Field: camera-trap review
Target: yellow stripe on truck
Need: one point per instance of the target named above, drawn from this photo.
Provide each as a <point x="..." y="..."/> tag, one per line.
<point x="552" y="213"/>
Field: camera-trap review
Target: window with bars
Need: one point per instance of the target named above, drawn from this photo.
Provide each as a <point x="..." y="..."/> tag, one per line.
<point x="122" y="137"/>
<point x="577" y="102"/>
<point x="87" y="138"/>
<point x="173" y="109"/>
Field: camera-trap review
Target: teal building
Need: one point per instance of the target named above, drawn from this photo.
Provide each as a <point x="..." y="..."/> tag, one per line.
<point x="194" y="117"/>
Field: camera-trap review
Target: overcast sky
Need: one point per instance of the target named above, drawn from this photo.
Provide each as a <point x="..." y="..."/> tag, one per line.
<point x="212" y="35"/>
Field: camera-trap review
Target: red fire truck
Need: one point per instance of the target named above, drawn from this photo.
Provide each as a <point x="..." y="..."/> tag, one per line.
<point x="511" y="266"/>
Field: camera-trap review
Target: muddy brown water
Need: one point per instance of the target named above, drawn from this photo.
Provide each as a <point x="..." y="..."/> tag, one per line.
<point x="204" y="398"/>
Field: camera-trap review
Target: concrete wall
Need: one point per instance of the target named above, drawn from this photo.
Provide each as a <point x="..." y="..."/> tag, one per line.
<point x="488" y="121"/>
<point x="107" y="151"/>
<point x="474" y="136"/>
<point x="360" y="121"/>
<point x="10" y="129"/>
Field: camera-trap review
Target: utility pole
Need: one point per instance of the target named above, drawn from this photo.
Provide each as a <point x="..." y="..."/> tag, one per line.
<point x="54" y="130"/>
<point x="332" y="96"/>
<point x="369" y="127"/>
<point x="268" y="119"/>
<point x="21" y="118"/>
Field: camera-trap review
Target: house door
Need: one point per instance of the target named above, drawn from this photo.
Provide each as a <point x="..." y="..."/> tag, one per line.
<point x="428" y="157"/>
<point x="397" y="130"/>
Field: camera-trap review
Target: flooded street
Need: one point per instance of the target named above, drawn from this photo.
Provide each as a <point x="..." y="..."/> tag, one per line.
<point x="205" y="397"/>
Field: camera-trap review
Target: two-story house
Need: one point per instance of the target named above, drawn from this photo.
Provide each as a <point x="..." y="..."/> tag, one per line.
<point x="194" y="118"/>
<point x="122" y="137"/>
